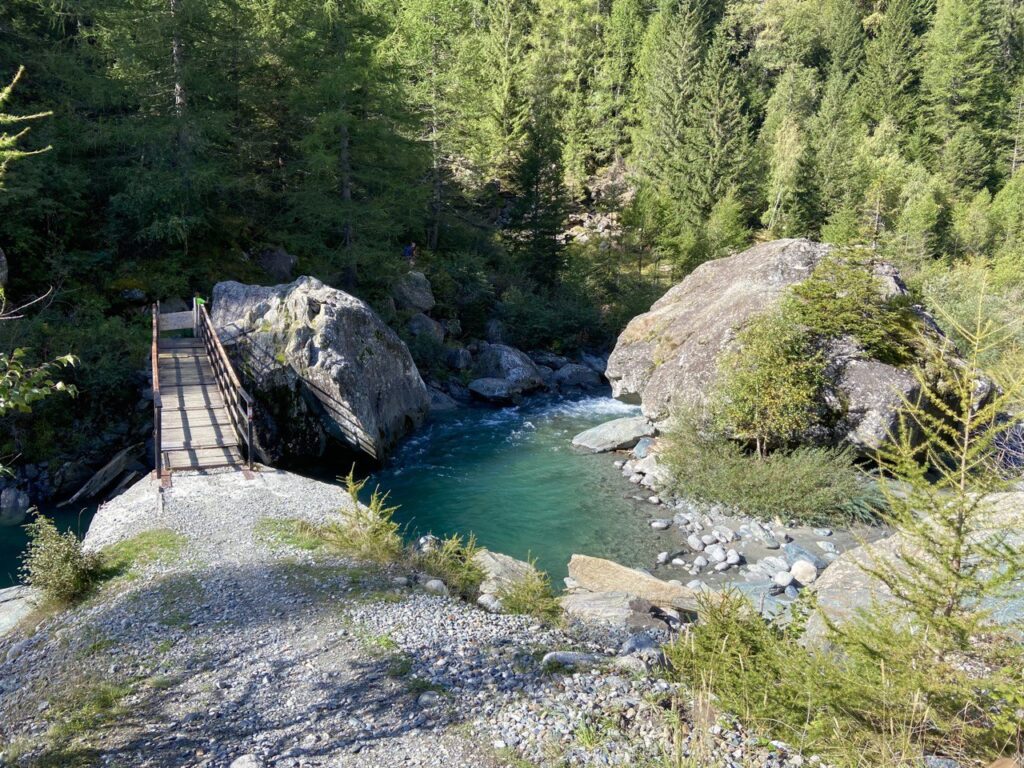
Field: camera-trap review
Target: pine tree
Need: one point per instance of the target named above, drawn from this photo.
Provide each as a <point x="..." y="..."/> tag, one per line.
<point x="888" y="85"/>
<point x="960" y="80"/>
<point x="945" y="469"/>
<point x="790" y="183"/>
<point x="614" y="96"/>
<point x="721" y="157"/>
<point x="670" y="65"/>
<point x="505" y="66"/>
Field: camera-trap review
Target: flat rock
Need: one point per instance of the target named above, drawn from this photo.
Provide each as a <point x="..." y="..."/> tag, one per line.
<point x="15" y="604"/>
<point x="599" y="575"/>
<point x="615" y="435"/>
<point x="617" y="609"/>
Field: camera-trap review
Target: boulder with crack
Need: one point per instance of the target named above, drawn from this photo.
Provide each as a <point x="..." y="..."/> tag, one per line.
<point x="322" y="365"/>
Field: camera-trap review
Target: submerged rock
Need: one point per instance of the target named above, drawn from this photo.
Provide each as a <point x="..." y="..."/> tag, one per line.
<point x="321" y="365"/>
<point x="616" y="435"/>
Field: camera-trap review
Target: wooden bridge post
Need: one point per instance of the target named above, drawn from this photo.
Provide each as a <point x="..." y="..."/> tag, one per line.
<point x="157" y="402"/>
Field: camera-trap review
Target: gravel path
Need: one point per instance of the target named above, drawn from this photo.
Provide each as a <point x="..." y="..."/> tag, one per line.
<point x="245" y="652"/>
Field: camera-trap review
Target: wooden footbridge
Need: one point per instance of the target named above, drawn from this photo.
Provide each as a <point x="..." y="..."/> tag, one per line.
<point x="202" y="416"/>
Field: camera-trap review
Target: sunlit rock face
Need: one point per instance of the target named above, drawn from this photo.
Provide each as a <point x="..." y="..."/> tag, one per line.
<point x="322" y="365"/>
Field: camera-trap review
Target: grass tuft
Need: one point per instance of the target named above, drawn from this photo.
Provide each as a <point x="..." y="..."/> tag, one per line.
<point x="453" y="561"/>
<point x="531" y="596"/>
<point x="810" y="485"/>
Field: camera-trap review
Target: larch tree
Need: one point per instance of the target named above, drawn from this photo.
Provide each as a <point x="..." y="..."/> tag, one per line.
<point x="888" y="85"/>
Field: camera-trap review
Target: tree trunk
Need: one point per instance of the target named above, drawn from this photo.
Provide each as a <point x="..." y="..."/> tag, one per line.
<point x="345" y="169"/>
<point x="177" y="62"/>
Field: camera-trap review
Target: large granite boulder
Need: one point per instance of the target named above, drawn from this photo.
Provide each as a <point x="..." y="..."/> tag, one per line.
<point x="504" y="373"/>
<point x="413" y="292"/>
<point x="322" y="365"/>
<point x="667" y="358"/>
<point x="615" y="435"/>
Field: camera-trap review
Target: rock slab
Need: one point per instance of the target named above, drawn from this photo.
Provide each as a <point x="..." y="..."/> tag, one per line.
<point x="616" y="435"/>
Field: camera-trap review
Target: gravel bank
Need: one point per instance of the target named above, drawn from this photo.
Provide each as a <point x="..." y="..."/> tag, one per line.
<point x="244" y="651"/>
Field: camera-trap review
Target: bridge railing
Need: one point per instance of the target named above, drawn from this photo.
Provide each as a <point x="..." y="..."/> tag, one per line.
<point x="239" y="403"/>
<point x="158" y="457"/>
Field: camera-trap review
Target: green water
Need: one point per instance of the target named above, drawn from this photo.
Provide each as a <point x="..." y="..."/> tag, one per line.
<point x="13" y="538"/>
<point x="511" y="477"/>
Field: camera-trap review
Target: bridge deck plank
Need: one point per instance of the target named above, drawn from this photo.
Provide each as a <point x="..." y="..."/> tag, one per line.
<point x="196" y="429"/>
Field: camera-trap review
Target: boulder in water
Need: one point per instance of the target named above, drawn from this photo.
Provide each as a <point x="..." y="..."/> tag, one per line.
<point x="14" y="504"/>
<point x="576" y="376"/>
<point x="504" y="374"/>
<point x="615" y="435"/>
<point x="321" y="364"/>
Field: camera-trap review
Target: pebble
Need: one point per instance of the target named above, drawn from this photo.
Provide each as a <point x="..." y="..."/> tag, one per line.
<point x="783" y="578"/>
<point x="661" y="525"/>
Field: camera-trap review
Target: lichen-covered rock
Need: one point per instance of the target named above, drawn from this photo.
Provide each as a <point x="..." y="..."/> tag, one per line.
<point x="668" y="358"/>
<point x="321" y="365"/>
<point x="413" y="292"/>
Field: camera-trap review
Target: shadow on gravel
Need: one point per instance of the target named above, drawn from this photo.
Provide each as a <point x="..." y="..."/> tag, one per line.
<point x="223" y="662"/>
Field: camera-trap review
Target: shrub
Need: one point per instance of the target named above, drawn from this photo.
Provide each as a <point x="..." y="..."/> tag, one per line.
<point x="879" y="697"/>
<point x="452" y="560"/>
<point x="768" y="392"/>
<point x="811" y="485"/>
<point x="55" y="562"/>
<point x="843" y="297"/>
<point x="368" y="532"/>
<point x="531" y="596"/>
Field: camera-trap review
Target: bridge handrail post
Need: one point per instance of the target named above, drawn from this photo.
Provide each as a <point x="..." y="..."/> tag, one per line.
<point x="157" y="400"/>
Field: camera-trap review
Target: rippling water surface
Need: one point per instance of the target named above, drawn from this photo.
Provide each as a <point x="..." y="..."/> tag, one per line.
<point x="511" y="477"/>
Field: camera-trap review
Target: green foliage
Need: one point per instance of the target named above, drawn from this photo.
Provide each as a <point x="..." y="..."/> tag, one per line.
<point x="9" y="150"/>
<point x="770" y="380"/>
<point x="944" y="462"/>
<point x="879" y="698"/>
<point x="452" y="560"/>
<point x="368" y="531"/>
<point x="289" y="532"/>
<point x="21" y="385"/>
<point x="55" y="562"/>
<point x="531" y="596"/>
<point x="811" y="485"/>
<point x="843" y="297"/>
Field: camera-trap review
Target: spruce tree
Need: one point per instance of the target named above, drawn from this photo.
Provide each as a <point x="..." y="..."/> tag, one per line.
<point x="888" y="85"/>
<point x="961" y="79"/>
<point x="614" y="95"/>
<point x="670" y="70"/>
<point x="720" y="154"/>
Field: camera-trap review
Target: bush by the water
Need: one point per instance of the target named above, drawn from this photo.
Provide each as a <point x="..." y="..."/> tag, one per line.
<point x="452" y="560"/>
<point x="811" y="485"/>
<point x="531" y="595"/>
<point x="55" y="563"/>
<point x="368" y="532"/>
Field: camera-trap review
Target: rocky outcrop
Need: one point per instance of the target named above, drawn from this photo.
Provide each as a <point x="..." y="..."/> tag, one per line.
<point x="667" y="358"/>
<point x="14" y="504"/>
<point x="615" y="435"/>
<point x="413" y="292"/>
<point x="504" y="374"/>
<point x="322" y="365"/>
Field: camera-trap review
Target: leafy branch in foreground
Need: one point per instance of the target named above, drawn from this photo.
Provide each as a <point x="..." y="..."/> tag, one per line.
<point x="945" y="476"/>
<point x="9" y="141"/>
